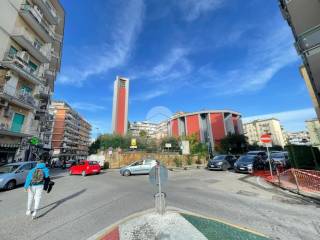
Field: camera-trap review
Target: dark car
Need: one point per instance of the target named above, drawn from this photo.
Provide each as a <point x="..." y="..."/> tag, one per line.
<point x="261" y="154"/>
<point x="280" y="159"/>
<point x="221" y="162"/>
<point x="247" y="163"/>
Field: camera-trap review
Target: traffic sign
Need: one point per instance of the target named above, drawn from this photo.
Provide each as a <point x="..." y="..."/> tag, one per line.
<point x="158" y="174"/>
<point x="265" y="138"/>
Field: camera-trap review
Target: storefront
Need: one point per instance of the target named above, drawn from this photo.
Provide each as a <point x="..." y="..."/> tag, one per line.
<point x="12" y="146"/>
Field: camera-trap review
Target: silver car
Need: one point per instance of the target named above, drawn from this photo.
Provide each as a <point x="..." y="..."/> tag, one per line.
<point x="139" y="167"/>
<point x="14" y="174"/>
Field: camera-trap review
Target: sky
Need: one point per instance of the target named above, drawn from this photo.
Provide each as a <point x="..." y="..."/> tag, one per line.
<point x="181" y="55"/>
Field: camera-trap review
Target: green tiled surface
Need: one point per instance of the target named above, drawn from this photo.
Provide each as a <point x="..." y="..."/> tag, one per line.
<point x="217" y="230"/>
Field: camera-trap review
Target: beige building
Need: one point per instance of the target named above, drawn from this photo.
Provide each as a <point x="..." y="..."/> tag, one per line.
<point x="313" y="127"/>
<point x="253" y="130"/>
<point x="31" y="37"/>
<point x="311" y="89"/>
<point x="152" y="130"/>
<point x="71" y="133"/>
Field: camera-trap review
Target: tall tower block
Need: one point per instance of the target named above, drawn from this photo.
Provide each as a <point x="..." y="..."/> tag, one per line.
<point x="120" y="106"/>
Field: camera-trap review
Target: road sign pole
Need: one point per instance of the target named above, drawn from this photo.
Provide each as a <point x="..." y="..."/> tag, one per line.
<point x="269" y="161"/>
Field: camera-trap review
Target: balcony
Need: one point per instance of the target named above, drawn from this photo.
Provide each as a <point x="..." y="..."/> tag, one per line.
<point x="18" y="97"/>
<point x="35" y="19"/>
<point x="50" y="75"/>
<point x="48" y="11"/>
<point x="21" y="36"/>
<point x="14" y="63"/>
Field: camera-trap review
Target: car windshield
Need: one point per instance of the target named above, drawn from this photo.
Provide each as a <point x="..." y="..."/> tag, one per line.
<point x="218" y="158"/>
<point x="277" y="155"/>
<point x="246" y="159"/>
<point x="8" y="168"/>
<point x="253" y="153"/>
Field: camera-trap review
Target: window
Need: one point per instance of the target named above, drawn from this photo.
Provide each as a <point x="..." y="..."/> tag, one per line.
<point x="12" y="51"/>
<point x="33" y="66"/>
<point x="26" y="89"/>
<point x="27" y="166"/>
<point x="93" y="163"/>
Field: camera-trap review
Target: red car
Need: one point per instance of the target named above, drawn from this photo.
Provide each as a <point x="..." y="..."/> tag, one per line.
<point x="85" y="168"/>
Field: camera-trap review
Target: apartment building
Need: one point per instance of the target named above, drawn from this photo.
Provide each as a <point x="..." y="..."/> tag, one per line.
<point x="313" y="127"/>
<point x="298" y="138"/>
<point x="303" y="19"/>
<point x="253" y="130"/>
<point x="71" y="133"/>
<point x="152" y="130"/>
<point x="31" y="37"/>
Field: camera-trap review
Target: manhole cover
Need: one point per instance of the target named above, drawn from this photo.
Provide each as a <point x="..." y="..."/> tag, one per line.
<point x="247" y="193"/>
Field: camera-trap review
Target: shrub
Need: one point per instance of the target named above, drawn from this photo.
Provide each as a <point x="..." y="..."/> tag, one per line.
<point x="189" y="160"/>
<point x="106" y="165"/>
<point x="198" y="162"/>
<point x="177" y="162"/>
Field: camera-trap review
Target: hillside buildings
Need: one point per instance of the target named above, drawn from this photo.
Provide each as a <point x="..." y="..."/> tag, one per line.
<point x="298" y="138"/>
<point x="152" y="130"/>
<point x="313" y="127"/>
<point x="71" y="133"/>
<point x="253" y="130"/>
<point x="31" y="38"/>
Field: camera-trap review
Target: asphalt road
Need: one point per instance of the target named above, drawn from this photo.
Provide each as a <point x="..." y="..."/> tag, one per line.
<point x="79" y="206"/>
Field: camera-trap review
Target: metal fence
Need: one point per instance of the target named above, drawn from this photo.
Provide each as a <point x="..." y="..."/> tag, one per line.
<point x="298" y="180"/>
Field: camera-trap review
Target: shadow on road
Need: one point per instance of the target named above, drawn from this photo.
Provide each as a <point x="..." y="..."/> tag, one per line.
<point x="59" y="202"/>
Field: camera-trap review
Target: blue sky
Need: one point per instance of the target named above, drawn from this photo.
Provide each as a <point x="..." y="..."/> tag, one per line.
<point x="181" y="55"/>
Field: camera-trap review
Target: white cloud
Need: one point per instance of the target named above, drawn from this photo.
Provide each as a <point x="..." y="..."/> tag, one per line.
<point x="291" y="120"/>
<point x="109" y="56"/>
<point x="193" y="9"/>
<point x="89" y="107"/>
<point x="166" y="74"/>
<point x="269" y="53"/>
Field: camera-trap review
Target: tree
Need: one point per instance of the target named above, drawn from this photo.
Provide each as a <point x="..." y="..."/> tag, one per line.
<point x="173" y="141"/>
<point x="95" y="146"/>
<point x="143" y="134"/>
<point x="196" y="147"/>
<point x="234" y="143"/>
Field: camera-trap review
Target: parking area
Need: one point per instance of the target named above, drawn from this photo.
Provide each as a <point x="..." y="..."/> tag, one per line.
<point x="79" y="207"/>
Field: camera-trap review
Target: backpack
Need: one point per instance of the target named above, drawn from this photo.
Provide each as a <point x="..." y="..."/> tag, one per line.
<point x="37" y="177"/>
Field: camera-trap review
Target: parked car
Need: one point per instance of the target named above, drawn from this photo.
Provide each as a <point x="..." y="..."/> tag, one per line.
<point x="247" y="163"/>
<point x="71" y="163"/>
<point x="14" y="174"/>
<point x="280" y="158"/>
<point x="261" y="154"/>
<point x="85" y="168"/>
<point x="139" y="167"/>
<point x="221" y="162"/>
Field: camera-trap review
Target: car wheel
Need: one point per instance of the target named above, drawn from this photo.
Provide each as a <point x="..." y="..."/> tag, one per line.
<point x="126" y="173"/>
<point x="224" y="167"/>
<point x="70" y="172"/>
<point x="84" y="173"/>
<point x="10" y="185"/>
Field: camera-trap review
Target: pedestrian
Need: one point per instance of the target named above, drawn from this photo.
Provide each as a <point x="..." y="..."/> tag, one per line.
<point x="34" y="186"/>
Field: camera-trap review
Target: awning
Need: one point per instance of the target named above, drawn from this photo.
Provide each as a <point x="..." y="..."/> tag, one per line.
<point x="14" y="134"/>
<point x="8" y="145"/>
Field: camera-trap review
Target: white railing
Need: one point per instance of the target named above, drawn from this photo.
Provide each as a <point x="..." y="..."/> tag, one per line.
<point x="39" y="18"/>
<point x="20" y="95"/>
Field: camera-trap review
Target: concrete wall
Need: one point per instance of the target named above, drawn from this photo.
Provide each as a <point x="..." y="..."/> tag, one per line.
<point x="118" y="160"/>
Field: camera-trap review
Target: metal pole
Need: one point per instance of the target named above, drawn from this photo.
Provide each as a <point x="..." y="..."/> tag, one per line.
<point x="269" y="162"/>
<point x="160" y="193"/>
<point x="296" y="180"/>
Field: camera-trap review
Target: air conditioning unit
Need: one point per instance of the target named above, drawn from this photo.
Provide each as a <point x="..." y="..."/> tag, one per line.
<point x="8" y="112"/>
<point x="3" y="103"/>
<point x="8" y="75"/>
<point x="24" y="56"/>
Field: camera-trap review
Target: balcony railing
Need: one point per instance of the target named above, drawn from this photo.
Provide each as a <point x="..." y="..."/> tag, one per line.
<point x="35" y="19"/>
<point x="19" y="97"/>
<point x="36" y="49"/>
<point x="14" y="63"/>
<point x="48" y="10"/>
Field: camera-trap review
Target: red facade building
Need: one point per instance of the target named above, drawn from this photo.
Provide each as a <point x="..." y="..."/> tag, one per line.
<point x="120" y="106"/>
<point x="209" y="126"/>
